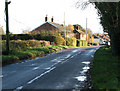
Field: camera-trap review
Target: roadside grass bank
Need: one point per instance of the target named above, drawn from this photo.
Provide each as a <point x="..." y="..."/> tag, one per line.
<point x="30" y="53"/>
<point x="105" y="71"/>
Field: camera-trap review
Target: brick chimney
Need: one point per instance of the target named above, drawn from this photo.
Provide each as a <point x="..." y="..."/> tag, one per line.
<point x="46" y="18"/>
<point x="52" y="19"/>
<point x="74" y="27"/>
<point x="77" y="27"/>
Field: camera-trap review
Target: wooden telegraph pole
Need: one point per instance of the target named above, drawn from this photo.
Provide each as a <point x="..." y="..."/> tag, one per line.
<point x="86" y="29"/>
<point x="7" y="26"/>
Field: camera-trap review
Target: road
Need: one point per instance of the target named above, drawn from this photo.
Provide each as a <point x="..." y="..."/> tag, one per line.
<point x="62" y="70"/>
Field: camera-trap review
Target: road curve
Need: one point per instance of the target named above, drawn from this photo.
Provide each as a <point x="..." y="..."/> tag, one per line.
<point x="62" y="70"/>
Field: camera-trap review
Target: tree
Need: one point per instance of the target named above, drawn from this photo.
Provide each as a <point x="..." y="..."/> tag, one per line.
<point x="110" y="20"/>
<point x="70" y="27"/>
<point x="80" y="27"/>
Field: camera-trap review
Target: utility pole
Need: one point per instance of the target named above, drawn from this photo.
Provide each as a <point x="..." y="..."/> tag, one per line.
<point x="86" y="29"/>
<point x="64" y="29"/>
<point x="7" y="26"/>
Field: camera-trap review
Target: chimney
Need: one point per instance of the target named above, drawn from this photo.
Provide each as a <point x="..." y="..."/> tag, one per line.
<point x="74" y="27"/>
<point x="52" y="19"/>
<point x="77" y="27"/>
<point x="46" y="18"/>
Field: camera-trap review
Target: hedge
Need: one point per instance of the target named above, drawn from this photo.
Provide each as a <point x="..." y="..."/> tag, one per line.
<point x="57" y="39"/>
<point x="22" y="45"/>
<point x="81" y="43"/>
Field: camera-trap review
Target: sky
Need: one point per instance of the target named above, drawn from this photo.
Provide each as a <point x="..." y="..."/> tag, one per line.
<point x="29" y="14"/>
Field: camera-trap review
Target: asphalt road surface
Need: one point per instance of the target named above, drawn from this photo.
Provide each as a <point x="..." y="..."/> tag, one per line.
<point x="62" y="70"/>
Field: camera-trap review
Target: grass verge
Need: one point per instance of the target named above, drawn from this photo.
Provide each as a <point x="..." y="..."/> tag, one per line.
<point x="105" y="72"/>
<point x="32" y="52"/>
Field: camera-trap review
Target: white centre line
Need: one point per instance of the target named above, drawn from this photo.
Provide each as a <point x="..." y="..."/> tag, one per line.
<point x="19" y="88"/>
<point x="1" y="76"/>
<point x="40" y="75"/>
<point x="92" y="56"/>
<point x="35" y="68"/>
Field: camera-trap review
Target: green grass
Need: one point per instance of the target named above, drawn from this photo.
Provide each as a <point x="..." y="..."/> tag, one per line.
<point x="31" y="52"/>
<point x="105" y="70"/>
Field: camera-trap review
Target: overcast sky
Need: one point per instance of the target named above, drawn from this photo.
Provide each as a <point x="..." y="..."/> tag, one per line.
<point x="29" y="14"/>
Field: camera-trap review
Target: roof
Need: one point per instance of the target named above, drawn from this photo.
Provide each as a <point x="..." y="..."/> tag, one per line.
<point x="95" y="36"/>
<point x="78" y="31"/>
<point x="59" y="26"/>
<point x="45" y="23"/>
<point x="47" y="26"/>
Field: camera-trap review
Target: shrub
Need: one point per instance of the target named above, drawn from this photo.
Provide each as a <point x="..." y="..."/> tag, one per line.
<point x="68" y="41"/>
<point x="20" y="45"/>
<point x="71" y="41"/>
<point x="89" y="44"/>
<point x="49" y="36"/>
<point x="81" y="43"/>
<point x="96" y="43"/>
<point x="58" y="40"/>
<point x="84" y="42"/>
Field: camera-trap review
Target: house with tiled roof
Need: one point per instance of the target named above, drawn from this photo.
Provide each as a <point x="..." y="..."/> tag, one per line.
<point x="48" y="27"/>
<point x="79" y="34"/>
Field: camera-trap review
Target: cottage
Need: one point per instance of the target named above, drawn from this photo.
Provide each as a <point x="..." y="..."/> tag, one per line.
<point x="79" y="34"/>
<point x="48" y="27"/>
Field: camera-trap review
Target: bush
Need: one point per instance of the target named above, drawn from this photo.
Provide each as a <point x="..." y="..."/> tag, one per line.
<point x="89" y="44"/>
<point x="11" y="58"/>
<point x="81" y="43"/>
<point x="58" y="40"/>
<point x="20" y="45"/>
<point x="71" y="41"/>
<point x="49" y="36"/>
<point x="96" y="43"/>
<point x="85" y="43"/>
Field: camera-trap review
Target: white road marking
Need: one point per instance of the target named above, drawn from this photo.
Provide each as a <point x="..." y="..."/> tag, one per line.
<point x="92" y="56"/>
<point x="62" y="59"/>
<point x="85" y="62"/>
<point x="40" y="75"/>
<point x="83" y="72"/>
<point x="48" y="68"/>
<point x="54" y="64"/>
<point x="35" y="68"/>
<point x="54" y="60"/>
<point x="75" y="51"/>
<point x="85" y="54"/>
<point x="22" y="62"/>
<point x="81" y="78"/>
<point x="19" y="88"/>
<point x="72" y="56"/>
<point x="68" y="56"/>
<point x="1" y="76"/>
<point x="86" y="68"/>
<point x="32" y="64"/>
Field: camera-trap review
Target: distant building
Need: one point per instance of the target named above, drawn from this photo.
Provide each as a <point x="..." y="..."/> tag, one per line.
<point x="79" y="34"/>
<point x="104" y="37"/>
<point x="97" y="39"/>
